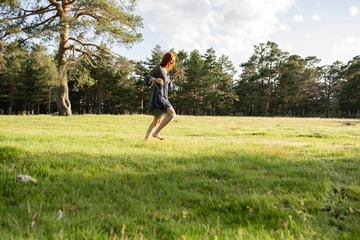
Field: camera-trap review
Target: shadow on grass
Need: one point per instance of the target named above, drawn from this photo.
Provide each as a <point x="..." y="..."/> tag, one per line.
<point x="213" y="195"/>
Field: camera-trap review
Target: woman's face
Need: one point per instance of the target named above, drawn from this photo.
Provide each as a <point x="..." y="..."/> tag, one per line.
<point x="172" y="62"/>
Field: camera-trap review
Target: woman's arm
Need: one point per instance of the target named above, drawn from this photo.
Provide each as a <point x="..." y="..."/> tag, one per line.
<point x="151" y="77"/>
<point x="156" y="80"/>
<point x="180" y="72"/>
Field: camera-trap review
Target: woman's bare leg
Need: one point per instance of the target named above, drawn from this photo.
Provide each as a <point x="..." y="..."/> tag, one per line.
<point x="170" y="116"/>
<point x="152" y="126"/>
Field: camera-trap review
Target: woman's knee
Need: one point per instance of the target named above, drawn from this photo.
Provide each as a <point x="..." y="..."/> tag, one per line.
<point x="172" y="114"/>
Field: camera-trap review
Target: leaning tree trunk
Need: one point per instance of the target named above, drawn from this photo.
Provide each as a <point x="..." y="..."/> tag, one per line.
<point x="63" y="101"/>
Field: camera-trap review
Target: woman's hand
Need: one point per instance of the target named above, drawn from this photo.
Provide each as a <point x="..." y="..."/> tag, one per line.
<point x="180" y="72"/>
<point x="159" y="81"/>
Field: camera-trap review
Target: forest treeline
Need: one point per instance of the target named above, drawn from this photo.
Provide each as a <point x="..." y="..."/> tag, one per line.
<point x="271" y="83"/>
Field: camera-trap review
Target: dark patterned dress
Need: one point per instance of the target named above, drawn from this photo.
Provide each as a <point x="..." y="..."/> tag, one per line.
<point x="159" y="102"/>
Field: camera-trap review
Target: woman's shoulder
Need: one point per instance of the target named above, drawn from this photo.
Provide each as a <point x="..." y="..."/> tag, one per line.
<point x="157" y="68"/>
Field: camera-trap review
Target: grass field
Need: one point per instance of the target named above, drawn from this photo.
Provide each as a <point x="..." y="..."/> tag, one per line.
<point x="213" y="178"/>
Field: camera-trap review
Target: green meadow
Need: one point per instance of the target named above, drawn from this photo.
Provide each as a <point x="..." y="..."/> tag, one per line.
<point x="212" y="178"/>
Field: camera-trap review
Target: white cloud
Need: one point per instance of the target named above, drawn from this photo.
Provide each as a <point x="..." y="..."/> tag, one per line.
<point x="231" y="27"/>
<point x="316" y="18"/>
<point x="298" y="18"/>
<point x="350" y="45"/>
<point x="353" y="11"/>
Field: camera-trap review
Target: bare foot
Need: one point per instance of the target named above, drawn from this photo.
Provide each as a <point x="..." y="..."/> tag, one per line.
<point x="158" y="136"/>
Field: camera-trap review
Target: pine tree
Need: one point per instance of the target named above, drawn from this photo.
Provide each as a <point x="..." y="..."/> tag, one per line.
<point x="332" y="78"/>
<point x="225" y="86"/>
<point x="190" y="94"/>
<point x="175" y="97"/>
<point x="308" y="99"/>
<point x="12" y="75"/>
<point x="248" y="90"/>
<point x="263" y="72"/>
<point x="42" y="77"/>
<point x="290" y="78"/>
<point x="209" y="82"/>
<point x="350" y="91"/>
<point x="139" y="73"/>
<point x="156" y="55"/>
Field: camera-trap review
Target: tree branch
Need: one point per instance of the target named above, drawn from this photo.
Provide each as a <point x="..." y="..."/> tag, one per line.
<point x="86" y="54"/>
<point x="43" y="22"/>
<point x="84" y="44"/>
<point x="27" y="15"/>
<point x="35" y="10"/>
<point x="82" y="12"/>
<point x="92" y="45"/>
<point x="36" y="25"/>
<point x="38" y="33"/>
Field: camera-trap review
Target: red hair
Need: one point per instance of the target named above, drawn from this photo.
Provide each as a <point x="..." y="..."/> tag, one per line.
<point x="167" y="62"/>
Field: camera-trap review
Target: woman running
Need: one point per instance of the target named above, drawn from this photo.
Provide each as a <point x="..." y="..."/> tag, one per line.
<point x="159" y="103"/>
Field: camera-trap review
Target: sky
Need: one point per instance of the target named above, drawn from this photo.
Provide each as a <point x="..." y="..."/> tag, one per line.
<point x="328" y="29"/>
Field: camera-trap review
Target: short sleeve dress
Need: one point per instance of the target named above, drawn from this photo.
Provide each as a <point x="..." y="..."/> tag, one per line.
<point x="159" y="102"/>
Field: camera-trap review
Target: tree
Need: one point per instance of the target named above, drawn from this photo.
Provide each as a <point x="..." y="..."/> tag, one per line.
<point x="350" y="90"/>
<point x="139" y="73"/>
<point x="41" y="77"/>
<point x="156" y="56"/>
<point x="225" y="86"/>
<point x="247" y="88"/>
<point x="308" y="99"/>
<point x="290" y="78"/>
<point x="208" y="83"/>
<point x="332" y="77"/>
<point x="80" y="25"/>
<point x="263" y="71"/>
<point x="191" y="87"/>
<point x="218" y="90"/>
<point x="123" y="92"/>
<point x="269" y="59"/>
<point x="12" y="75"/>
<point x="175" y="96"/>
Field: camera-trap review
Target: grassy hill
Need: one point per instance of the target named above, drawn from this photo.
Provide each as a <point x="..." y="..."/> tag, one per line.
<point x="213" y="178"/>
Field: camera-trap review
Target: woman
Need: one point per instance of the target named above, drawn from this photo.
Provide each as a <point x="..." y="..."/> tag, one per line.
<point x="159" y="103"/>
